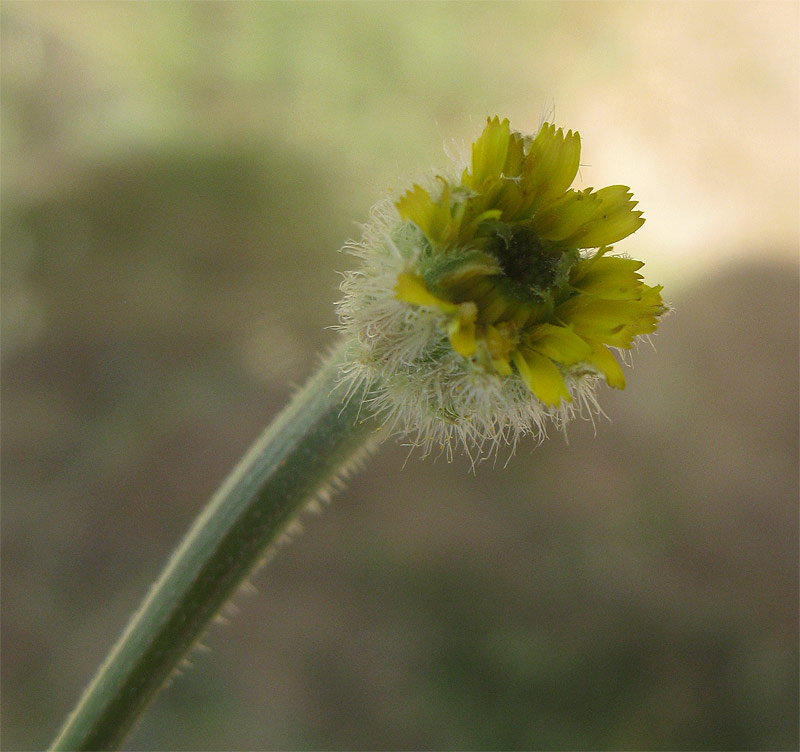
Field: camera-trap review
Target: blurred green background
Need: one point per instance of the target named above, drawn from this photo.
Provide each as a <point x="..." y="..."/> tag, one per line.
<point x="176" y="179"/>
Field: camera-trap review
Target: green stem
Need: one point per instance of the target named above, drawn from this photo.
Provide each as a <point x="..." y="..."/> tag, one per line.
<point x="312" y="441"/>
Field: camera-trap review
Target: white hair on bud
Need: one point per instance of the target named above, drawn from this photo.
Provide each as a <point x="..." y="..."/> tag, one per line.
<point x="416" y="383"/>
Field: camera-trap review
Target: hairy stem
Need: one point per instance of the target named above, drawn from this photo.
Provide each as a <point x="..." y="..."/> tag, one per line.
<point x="313" y="441"/>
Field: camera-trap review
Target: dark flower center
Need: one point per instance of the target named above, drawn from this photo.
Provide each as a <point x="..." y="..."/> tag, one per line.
<point x="529" y="264"/>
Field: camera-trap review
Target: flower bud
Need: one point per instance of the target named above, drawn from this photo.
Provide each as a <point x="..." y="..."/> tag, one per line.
<point x="488" y="302"/>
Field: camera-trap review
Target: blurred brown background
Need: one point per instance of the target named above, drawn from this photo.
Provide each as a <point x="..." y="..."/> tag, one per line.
<point x="176" y="179"/>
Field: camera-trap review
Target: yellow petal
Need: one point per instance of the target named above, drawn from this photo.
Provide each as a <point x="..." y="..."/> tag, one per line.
<point x="602" y="359"/>
<point x="612" y="322"/>
<point x="462" y="335"/>
<point x="559" y="343"/>
<point x="598" y="319"/>
<point x="515" y="158"/>
<point x="566" y="217"/>
<point x="431" y="217"/>
<point x="412" y="289"/>
<point x="651" y="298"/>
<point x="542" y="377"/>
<point x="502" y="366"/>
<point x="612" y="278"/>
<point x="488" y="154"/>
<point x="615" y="220"/>
<point x="589" y="219"/>
<point x="581" y="268"/>
<point x="552" y="164"/>
<point x="500" y="340"/>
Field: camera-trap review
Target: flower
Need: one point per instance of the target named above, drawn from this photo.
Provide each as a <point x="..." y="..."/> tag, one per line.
<point x="488" y="302"/>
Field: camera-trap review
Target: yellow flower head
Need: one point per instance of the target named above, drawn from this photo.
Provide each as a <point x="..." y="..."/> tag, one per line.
<point x="487" y="301"/>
